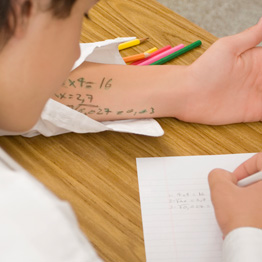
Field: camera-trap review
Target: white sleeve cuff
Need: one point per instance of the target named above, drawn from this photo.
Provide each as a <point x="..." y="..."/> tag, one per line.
<point x="242" y="245"/>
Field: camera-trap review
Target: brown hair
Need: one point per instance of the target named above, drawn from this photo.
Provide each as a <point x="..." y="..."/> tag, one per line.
<point x="61" y="8"/>
<point x="8" y="16"/>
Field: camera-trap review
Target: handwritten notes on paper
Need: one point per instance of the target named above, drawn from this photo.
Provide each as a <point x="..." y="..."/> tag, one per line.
<point x="178" y="218"/>
<point x="189" y="200"/>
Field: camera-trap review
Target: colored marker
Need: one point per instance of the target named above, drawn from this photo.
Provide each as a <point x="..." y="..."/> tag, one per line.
<point x="250" y="179"/>
<point x="178" y="53"/>
<point x="139" y="57"/>
<point x="132" y="43"/>
<point x="133" y="58"/>
<point x="162" y="55"/>
<point x="161" y="50"/>
<point x="152" y="50"/>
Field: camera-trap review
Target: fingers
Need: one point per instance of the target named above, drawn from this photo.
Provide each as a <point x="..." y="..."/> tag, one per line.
<point x="218" y="176"/>
<point x="249" y="167"/>
<point x="247" y="39"/>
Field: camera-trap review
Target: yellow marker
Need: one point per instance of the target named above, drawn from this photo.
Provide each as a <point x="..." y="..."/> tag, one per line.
<point x="152" y="50"/>
<point x="131" y="43"/>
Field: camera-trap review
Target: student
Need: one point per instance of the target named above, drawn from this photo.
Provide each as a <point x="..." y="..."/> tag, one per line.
<point x="38" y="47"/>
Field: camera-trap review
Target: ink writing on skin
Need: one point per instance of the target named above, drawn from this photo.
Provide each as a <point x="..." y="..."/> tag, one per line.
<point x="85" y="102"/>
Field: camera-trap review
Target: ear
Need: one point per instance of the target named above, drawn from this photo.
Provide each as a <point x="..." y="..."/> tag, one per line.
<point x="26" y="8"/>
<point x="23" y="10"/>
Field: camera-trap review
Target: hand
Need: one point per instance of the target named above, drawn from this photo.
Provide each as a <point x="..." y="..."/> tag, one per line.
<point x="226" y="81"/>
<point x="237" y="206"/>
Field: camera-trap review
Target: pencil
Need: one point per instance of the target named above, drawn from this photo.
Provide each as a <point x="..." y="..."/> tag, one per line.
<point x="162" y="55"/>
<point x="161" y="50"/>
<point x="250" y="179"/>
<point x="178" y="53"/>
<point x="132" y="43"/>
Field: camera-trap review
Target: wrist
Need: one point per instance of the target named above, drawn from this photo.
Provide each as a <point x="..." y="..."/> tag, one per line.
<point x="171" y="91"/>
<point x="193" y="107"/>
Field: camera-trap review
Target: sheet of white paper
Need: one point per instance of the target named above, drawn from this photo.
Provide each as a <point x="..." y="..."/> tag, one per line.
<point x="178" y="217"/>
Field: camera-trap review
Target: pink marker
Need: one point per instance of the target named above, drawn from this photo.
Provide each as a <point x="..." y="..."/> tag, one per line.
<point x="159" y="51"/>
<point x="162" y="55"/>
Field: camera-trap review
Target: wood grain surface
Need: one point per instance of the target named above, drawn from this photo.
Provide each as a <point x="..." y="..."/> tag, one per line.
<point x="96" y="173"/>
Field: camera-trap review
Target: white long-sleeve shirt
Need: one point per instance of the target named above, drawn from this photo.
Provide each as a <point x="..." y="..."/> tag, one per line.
<point x="35" y="226"/>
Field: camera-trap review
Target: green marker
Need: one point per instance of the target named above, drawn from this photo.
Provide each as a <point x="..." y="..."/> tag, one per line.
<point x="177" y="53"/>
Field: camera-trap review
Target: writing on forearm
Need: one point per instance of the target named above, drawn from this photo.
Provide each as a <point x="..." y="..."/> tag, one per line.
<point x="82" y="83"/>
<point x="80" y="94"/>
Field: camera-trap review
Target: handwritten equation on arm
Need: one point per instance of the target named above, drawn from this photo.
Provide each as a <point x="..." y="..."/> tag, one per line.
<point x="83" y="101"/>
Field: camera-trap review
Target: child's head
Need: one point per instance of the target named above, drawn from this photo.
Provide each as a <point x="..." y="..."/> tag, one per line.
<point x="12" y="10"/>
<point x="39" y="43"/>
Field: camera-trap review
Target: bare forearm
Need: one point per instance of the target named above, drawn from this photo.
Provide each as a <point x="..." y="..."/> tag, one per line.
<point x="111" y="92"/>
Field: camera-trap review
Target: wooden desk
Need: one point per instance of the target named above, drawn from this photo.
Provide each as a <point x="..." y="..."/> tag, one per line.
<point x="97" y="173"/>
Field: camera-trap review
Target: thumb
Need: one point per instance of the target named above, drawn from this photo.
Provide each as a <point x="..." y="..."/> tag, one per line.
<point x="247" y="39"/>
<point x="218" y="176"/>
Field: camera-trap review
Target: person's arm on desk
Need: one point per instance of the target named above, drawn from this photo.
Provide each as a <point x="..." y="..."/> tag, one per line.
<point x="223" y="86"/>
<point x="239" y="211"/>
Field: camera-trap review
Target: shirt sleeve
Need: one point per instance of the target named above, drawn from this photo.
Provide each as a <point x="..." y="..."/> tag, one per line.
<point x="242" y="245"/>
<point x="57" y="118"/>
<point x="35" y="225"/>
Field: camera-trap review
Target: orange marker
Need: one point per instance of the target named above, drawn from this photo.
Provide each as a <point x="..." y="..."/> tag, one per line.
<point x="137" y="57"/>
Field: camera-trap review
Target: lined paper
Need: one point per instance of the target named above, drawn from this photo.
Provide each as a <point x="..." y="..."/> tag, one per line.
<point x="178" y="217"/>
